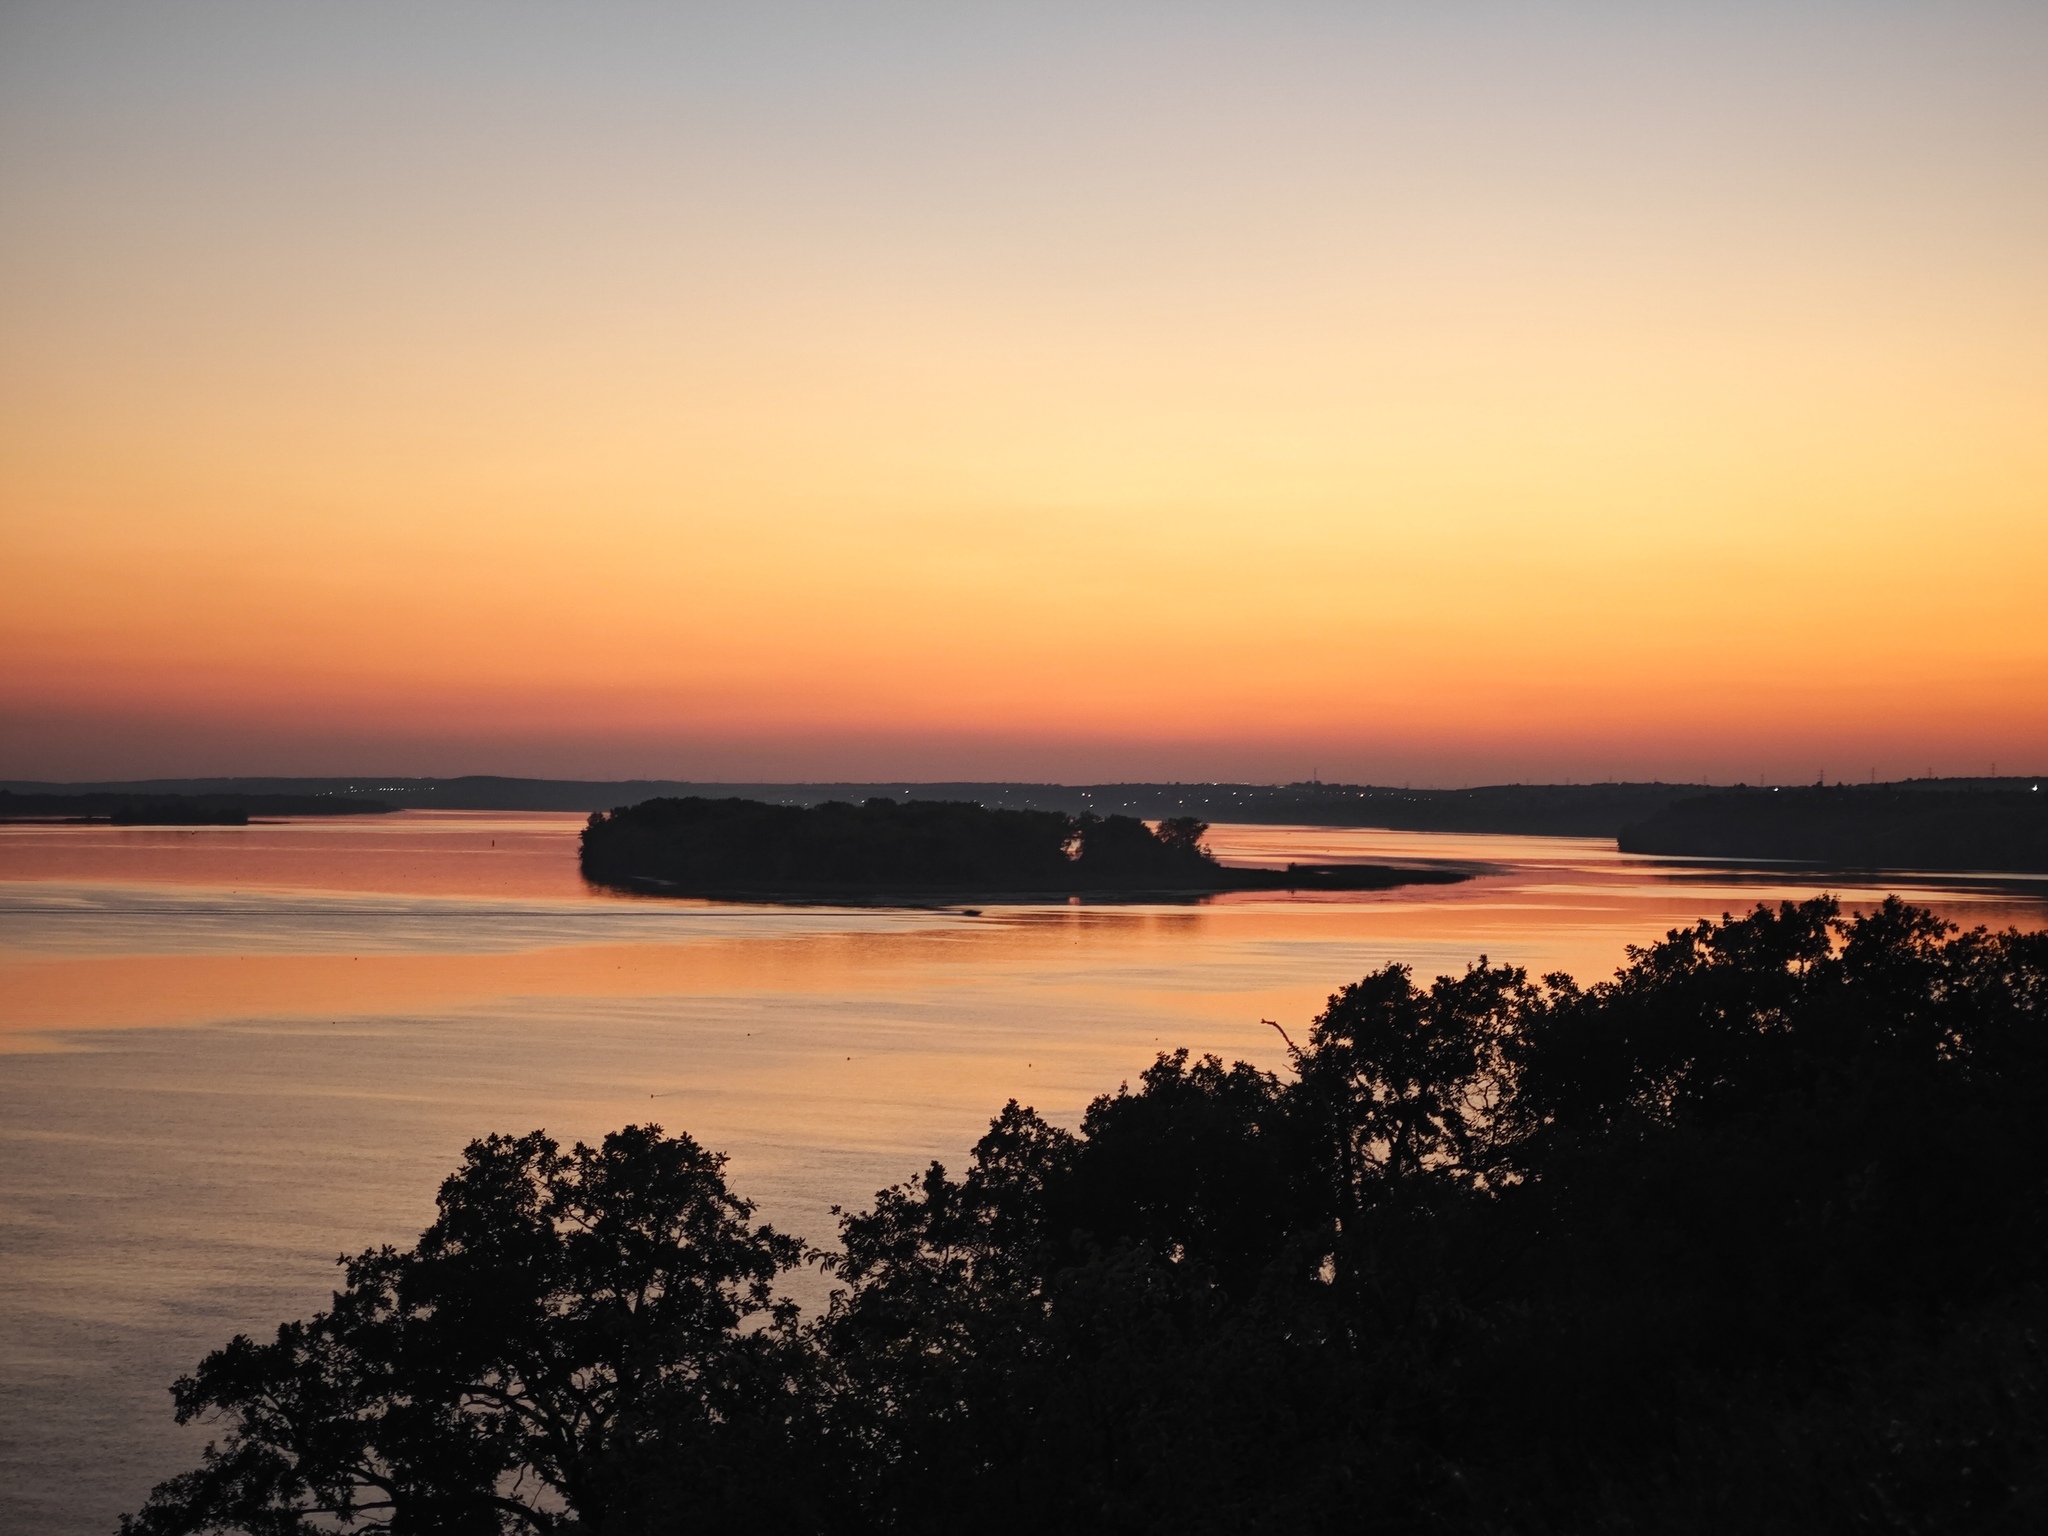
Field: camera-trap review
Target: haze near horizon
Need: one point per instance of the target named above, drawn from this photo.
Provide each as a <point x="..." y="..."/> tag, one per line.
<point x="1500" y="393"/>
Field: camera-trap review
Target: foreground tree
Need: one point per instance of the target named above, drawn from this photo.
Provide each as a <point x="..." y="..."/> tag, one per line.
<point x="1752" y="1236"/>
<point x="565" y="1313"/>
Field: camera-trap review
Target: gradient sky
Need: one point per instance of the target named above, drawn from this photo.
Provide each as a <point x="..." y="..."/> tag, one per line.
<point x="1441" y="393"/>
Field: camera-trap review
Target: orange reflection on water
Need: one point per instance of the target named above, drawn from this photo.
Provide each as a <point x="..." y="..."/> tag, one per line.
<point x="433" y="853"/>
<point x="134" y="990"/>
<point x="496" y="912"/>
<point x="1221" y="962"/>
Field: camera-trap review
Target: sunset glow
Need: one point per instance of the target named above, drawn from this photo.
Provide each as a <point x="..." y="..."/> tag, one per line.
<point x="1023" y="394"/>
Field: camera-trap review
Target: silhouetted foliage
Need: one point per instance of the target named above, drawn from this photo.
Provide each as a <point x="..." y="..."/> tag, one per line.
<point x="567" y="1316"/>
<point x="745" y="847"/>
<point x="1853" y="826"/>
<point x="1750" y="1237"/>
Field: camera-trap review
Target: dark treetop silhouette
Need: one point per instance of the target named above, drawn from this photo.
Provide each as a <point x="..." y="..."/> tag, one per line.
<point x="1749" y="1238"/>
<point x="926" y="847"/>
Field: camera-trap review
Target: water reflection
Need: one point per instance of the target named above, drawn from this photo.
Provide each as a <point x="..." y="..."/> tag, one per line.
<point x="114" y="928"/>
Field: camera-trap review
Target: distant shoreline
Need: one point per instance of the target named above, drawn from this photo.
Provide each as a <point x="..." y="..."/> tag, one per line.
<point x="2001" y="831"/>
<point x="1991" y="826"/>
<point x="114" y="808"/>
<point x="1542" y="810"/>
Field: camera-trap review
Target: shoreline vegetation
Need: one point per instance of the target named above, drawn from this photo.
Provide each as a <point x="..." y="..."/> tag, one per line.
<point x="1563" y="810"/>
<point x="1855" y="826"/>
<point x="929" y="849"/>
<point x="116" y="808"/>
<point x="1751" y="1237"/>
<point x="1993" y="826"/>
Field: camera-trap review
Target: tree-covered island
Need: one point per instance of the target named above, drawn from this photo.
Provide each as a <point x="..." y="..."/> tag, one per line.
<point x="882" y="849"/>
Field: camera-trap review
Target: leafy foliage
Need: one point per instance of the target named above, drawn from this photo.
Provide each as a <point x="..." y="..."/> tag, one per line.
<point x="564" y="1310"/>
<point x="1749" y="1237"/>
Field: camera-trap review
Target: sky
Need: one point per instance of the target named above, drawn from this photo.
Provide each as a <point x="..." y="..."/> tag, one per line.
<point x="1434" y="393"/>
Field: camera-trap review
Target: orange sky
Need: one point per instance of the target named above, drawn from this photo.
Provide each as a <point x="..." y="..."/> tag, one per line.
<point x="898" y="392"/>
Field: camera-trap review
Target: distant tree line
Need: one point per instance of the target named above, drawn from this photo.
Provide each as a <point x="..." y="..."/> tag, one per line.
<point x="1854" y="826"/>
<point x="1749" y="1238"/>
<point x="1564" y="810"/>
<point x="124" y="809"/>
<point x="1577" y="810"/>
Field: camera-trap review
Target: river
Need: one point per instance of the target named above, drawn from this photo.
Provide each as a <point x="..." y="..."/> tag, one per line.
<point x="229" y="1054"/>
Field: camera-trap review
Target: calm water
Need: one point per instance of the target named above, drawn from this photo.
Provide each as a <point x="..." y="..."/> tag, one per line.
<point x="227" y="1055"/>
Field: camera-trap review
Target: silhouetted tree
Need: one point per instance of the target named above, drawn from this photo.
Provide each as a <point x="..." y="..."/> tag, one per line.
<point x="1752" y="1236"/>
<point x="563" y="1310"/>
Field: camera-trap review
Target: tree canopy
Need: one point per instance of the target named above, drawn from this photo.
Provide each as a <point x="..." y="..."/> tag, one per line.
<point x="1749" y="1237"/>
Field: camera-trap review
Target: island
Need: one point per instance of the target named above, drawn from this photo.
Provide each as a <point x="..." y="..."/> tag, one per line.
<point x="884" y="850"/>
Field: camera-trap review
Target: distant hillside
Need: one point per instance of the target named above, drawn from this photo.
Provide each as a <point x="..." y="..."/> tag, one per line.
<point x="1551" y="810"/>
<point x="1555" y="810"/>
<point x="1856" y="826"/>
<point x="1577" y="810"/>
<point x="160" y="809"/>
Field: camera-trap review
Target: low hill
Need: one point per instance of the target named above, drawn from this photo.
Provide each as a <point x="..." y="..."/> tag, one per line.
<point x="1549" y="810"/>
<point x="1568" y="810"/>
<point x="157" y="809"/>
<point x="1856" y="827"/>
